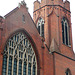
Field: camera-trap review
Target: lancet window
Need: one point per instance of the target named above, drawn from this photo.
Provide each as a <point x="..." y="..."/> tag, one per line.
<point x="40" y="26"/>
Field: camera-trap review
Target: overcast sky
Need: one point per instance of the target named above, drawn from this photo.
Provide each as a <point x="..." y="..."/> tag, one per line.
<point x="8" y="5"/>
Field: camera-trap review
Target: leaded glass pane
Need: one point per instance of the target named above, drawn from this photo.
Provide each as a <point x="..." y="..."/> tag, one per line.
<point x="29" y="69"/>
<point x="34" y="70"/>
<point x="4" y="65"/>
<point x="24" y="70"/>
<point x="10" y="66"/>
<point x="15" y="67"/>
<point x="20" y="68"/>
<point x="5" y="48"/>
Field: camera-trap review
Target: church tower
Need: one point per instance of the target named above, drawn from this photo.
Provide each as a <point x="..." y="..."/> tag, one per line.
<point x="53" y="20"/>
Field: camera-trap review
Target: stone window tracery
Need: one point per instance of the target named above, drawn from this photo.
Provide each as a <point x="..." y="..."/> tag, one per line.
<point x="19" y="57"/>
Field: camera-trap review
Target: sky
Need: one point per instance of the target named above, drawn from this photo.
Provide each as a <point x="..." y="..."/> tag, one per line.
<point x="7" y="5"/>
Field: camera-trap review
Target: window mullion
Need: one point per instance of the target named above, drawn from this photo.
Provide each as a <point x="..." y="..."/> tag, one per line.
<point x="8" y="61"/>
<point x="23" y="62"/>
<point x="12" y="64"/>
<point x="18" y="63"/>
<point x="32" y="67"/>
<point x="27" y="64"/>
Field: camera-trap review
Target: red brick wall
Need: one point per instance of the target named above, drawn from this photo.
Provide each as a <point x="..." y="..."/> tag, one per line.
<point x="62" y="63"/>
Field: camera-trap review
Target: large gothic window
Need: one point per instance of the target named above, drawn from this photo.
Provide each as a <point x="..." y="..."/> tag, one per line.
<point x="40" y="26"/>
<point x="65" y="31"/>
<point x="19" y="57"/>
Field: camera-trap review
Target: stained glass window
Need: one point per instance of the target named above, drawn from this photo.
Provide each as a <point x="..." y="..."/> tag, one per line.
<point x="19" y="53"/>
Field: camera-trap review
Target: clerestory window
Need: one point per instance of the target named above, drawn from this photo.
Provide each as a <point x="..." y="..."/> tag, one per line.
<point x="19" y="57"/>
<point x="40" y="26"/>
<point x="65" y="31"/>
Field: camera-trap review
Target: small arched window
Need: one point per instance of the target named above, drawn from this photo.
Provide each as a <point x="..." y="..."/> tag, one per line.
<point x="19" y="56"/>
<point x="23" y="18"/>
<point x="40" y="26"/>
<point x="68" y="72"/>
<point x="65" y="31"/>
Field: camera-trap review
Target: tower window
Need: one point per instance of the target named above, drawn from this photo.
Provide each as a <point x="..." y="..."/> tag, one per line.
<point x="65" y="31"/>
<point x="68" y="72"/>
<point x="18" y="59"/>
<point x="40" y="26"/>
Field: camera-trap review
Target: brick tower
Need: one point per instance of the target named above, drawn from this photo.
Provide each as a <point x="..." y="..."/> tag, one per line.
<point x="55" y="13"/>
<point x="57" y="33"/>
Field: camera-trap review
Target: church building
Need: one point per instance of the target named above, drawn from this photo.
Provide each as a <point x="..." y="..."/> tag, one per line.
<point x="39" y="46"/>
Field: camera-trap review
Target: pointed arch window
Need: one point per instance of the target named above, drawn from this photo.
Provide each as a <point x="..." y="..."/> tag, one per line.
<point x="65" y="31"/>
<point x="40" y="26"/>
<point x="68" y="72"/>
<point x="19" y="56"/>
<point x="23" y="18"/>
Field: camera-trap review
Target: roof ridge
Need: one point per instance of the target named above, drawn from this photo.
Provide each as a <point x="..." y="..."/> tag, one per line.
<point x="8" y="14"/>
